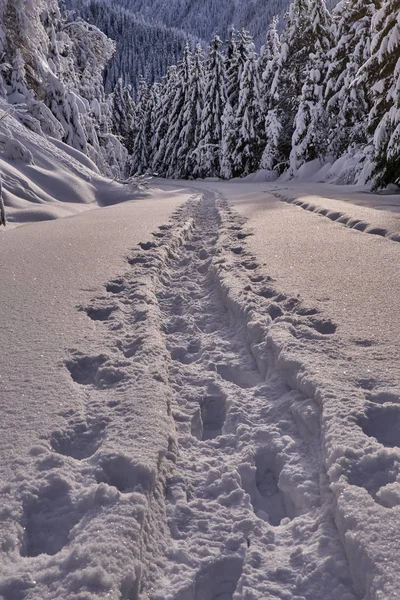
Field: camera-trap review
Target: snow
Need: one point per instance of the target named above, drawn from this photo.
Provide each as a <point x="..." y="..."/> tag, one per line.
<point x="44" y="179"/>
<point x="199" y="390"/>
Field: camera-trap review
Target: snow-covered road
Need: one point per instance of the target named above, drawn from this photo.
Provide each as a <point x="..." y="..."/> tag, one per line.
<point x="217" y="418"/>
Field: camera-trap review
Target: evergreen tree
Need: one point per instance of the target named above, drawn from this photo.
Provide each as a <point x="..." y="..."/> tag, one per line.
<point x="268" y="60"/>
<point x="382" y="76"/>
<point x="290" y="76"/>
<point x="19" y="87"/>
<point x="192" y="109"/>
<point x="240" y="49"/>
<point x="141" y="153"/>
<point x="268" y="64"/>
<point x="228" y="141"/>
<point x="172" y="155"/>
<point x="309" y="140"/>
<point x="209" y="148"/>
<point x="239" y="46"/>
<point x="250" y="141"/>
<point x="347" y="99"/>
<point x="122" y="114"/>
<point x="164" y="103"/>
<point x="63" y="105"/>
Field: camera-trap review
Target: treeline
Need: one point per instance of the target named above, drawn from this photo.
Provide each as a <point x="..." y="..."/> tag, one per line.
<point x="327" y="86"/>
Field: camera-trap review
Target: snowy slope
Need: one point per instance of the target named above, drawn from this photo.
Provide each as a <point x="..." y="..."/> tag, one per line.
<point x="199" y="406"/>
<point x="45" y="179"/>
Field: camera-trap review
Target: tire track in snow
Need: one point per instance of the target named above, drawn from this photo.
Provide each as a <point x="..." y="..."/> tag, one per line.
<point x="247" y="502"/>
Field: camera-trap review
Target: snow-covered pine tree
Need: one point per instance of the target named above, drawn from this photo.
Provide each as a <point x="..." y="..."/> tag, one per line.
<point x="173" y="166"/>
<point x="250" y="139"/>
<point x="239" y="48"/>
<point x="381" y="74"/>
<point x="291" y="73"/>
<point x="268" y="63"/>
<point x="309" y="140"/>
<point x="271" y="155"/>
<point x="346" y="96"/>
<point x="64" y="107"/>
<point x="140" y="160"/>
<point x="228" y="141"/>
<point x="209" y="147"/>
<point x="163" y="103"/>
<point x="189" y="136"/>
<point x="19" y="88"/>
<point x="122" y="114"/>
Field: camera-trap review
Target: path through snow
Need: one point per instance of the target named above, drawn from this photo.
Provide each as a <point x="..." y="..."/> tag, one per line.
<point x="215" y="455"/>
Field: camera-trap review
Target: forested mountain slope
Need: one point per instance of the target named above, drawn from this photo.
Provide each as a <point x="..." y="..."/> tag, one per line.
<point x="143" y="48"/>
<point x="150" y="34"/>
<point x="203" y="18"/>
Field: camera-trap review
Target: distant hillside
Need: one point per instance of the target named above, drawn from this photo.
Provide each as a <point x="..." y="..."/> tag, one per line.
<point x="143" y="47"/>
<point x="150" y="35"/>
<point x="203" y="18"/>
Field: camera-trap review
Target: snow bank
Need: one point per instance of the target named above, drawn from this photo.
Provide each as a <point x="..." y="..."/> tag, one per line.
<point x="44" y="179"/>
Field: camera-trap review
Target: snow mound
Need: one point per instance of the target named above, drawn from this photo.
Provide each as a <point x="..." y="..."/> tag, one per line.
<point x="45" y="179"/>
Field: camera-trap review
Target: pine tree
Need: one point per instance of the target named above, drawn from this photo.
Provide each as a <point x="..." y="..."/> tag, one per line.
<point x="209" y="147"/>
<point x="268" y="60"/>
<point x="122" y="114"/>
<point x="173" y="163"/>
<point x="19" y="87"/>
<point x="163" y="102"/>
<point x="382" y="76"/>
<point x="290" y="76"/>
<point x="309" y="140"/>
<point x="63" y="105"/>
<point x="240" y="49"/>
<point x="250" y="141"/>
<point x="141" y="152"/>
<point x="228" y="141"/>
<point x="346" y="95"/>
<point x="192" y="109"/>
<point x="268" y="64"/>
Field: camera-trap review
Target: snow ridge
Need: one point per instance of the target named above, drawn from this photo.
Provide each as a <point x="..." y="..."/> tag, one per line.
<point x="340" y="217"/>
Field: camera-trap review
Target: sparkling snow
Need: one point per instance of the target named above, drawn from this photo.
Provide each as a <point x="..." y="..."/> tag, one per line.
<point x="199" y="392"/>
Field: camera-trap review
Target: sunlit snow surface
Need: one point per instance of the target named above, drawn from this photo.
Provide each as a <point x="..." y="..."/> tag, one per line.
<point x="200" y="399"/>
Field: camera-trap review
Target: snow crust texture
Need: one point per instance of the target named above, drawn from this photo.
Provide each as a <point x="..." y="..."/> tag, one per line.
<point x="213" y="457"/>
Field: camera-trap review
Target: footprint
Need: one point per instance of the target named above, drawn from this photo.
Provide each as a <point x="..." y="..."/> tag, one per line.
<point x="267" y="293"/>
<point x="116" y="286"/>
<point x="274" y="311"/>
<point x="147" y="245"/>
<point x="218" y="580"/>
<point x="240" y="377"/>
<point x="101" y="313"/>
<point x="124" y="474"/>
<point x="84" y="368"/>
<point x="48" y="518"/>
<point x="92" y="370"/>
<point x="378" y="231"/>
<point x="261" y="483"/>
<point x="80" y="439"/>
<point x="213" y="413"/>
<point x="323" y="326"/>
<point x="383" y="397"/>
<point x="383" y="424"/>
